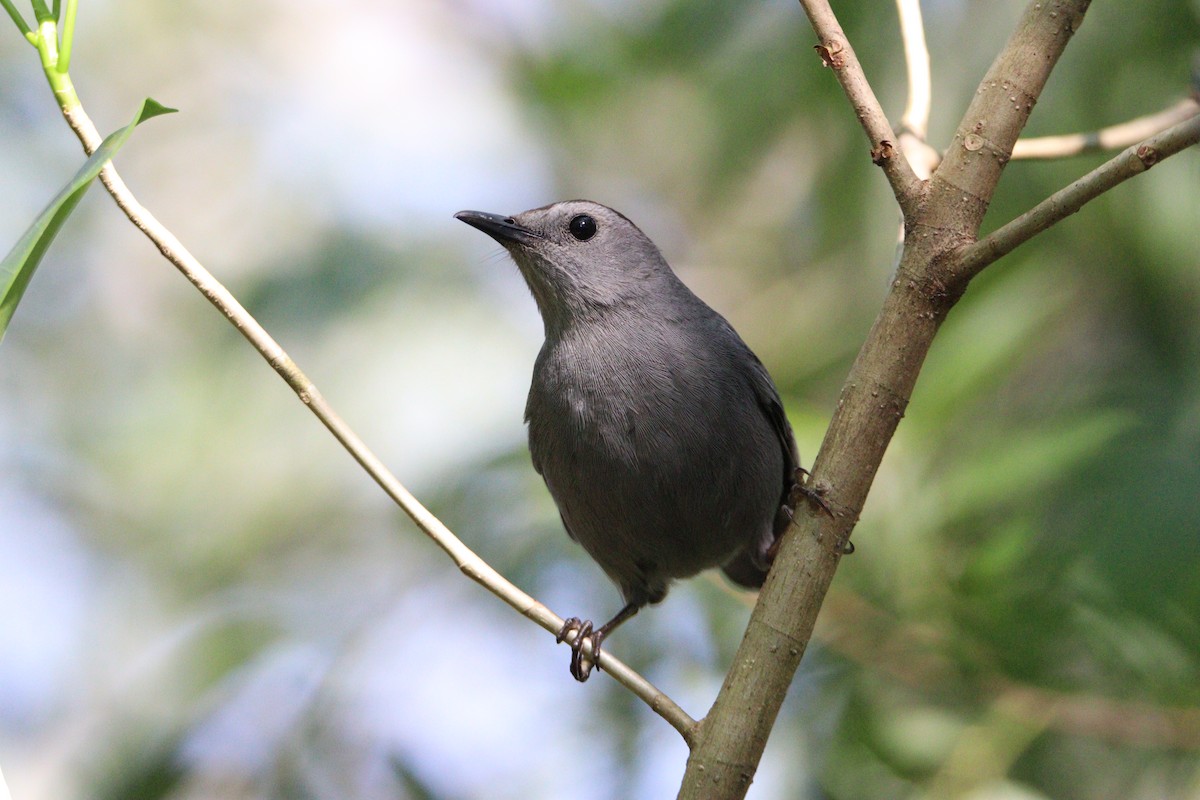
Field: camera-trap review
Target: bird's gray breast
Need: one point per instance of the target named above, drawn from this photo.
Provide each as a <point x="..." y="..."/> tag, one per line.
<point x="653" y="444"/>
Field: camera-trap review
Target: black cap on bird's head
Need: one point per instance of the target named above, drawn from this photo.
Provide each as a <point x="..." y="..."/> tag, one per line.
<point x="577" y="257"/>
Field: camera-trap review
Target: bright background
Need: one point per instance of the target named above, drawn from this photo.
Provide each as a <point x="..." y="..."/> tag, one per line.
<point x="201" y="596"/>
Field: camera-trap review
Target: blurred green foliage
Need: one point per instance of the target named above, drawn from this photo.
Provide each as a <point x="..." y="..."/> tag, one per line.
<point x="1021" y="618"/>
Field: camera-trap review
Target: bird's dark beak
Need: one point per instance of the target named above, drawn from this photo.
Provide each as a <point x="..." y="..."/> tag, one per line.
<point x="503" y="229"/>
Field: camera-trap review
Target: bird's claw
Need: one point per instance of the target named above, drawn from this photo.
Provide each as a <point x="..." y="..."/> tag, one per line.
<point x="801" y="489"/>
<point x="570" y="625"/>
<point x="813" y="495"/>
<point x="581" y="663"/>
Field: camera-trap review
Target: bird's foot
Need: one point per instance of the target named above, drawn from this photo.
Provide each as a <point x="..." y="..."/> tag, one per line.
<point x="813" y="495"/>
<point x="581" y="663"/>
<point x="800" y="489"/>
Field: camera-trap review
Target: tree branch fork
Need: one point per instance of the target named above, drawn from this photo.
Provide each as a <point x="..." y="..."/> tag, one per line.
<point x="941" y="253"/>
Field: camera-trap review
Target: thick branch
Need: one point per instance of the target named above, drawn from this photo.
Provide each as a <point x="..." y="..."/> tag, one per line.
<point x="873" y="399"/>
<point x="836" y="53"/>
<point x="468" y="562"/>
<point x="870" y="407"/>
<point x="1113" y="137"/>
<point x="1133" y="161"/>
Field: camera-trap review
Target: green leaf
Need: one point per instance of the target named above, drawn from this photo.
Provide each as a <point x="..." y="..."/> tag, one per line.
<point x="18" y="266"/>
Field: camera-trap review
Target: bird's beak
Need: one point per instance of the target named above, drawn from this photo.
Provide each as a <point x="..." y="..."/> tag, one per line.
<point x="504" y="230"/>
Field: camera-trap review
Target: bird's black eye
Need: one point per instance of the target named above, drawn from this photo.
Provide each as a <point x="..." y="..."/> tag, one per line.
<point x="582" y="227"/>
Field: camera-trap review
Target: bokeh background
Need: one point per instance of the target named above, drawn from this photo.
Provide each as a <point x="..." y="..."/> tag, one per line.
<point x="201" y="596"/>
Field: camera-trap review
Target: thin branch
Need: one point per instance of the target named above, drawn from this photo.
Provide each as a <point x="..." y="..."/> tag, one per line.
<point x="1125" y="722"/>
<point x="914" y="124"/>
<point x="1135" y="160"/>
<point x="916" y="60"/>
<point x="837" y="54"/>
<point x="1111" y="138"/>
<point x="468" y="562"/>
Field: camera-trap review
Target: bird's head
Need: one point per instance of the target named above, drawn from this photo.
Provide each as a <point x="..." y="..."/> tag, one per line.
<point x="579" y="258"/>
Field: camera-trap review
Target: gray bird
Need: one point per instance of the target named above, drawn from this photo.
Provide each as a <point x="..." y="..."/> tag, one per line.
<point x="660" y="435"/>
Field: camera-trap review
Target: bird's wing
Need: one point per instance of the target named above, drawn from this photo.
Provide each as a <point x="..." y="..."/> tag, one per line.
<point x="749" y="568"/>
<point x="772" y="406"/>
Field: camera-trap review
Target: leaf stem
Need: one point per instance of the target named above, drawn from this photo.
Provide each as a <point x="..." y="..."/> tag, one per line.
<point x="68" y="35"/>
<point x="20" y="22"/>
<point x="40" y="12"/>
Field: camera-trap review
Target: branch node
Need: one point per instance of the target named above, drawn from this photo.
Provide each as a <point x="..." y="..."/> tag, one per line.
<point x="831" y="54"/>
<point x="882" y="152"/>
<point x="1148" y="155"/>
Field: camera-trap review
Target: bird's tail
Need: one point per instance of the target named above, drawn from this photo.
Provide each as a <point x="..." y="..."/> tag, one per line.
<point x="744" y="572"/>
<point x="749" y="567"/>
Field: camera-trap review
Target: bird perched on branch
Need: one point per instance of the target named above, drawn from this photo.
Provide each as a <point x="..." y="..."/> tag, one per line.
<point x="660" y="435"/>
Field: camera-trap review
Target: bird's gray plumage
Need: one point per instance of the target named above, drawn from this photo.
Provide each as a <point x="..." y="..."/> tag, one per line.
<point x="660" y="435"/>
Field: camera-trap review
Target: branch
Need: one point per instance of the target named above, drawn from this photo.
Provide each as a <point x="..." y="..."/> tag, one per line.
<point x="916" y="60"/>
<point x="1111" y="138"/>
<point x="914" y="656"/>
<point x="962" y="186"/>
<point x="876" y="392"/>
<point x="1127" y="722"/>
<point x="836" y="53"/>
<point x="914" y="124"/>
<point x="468" y="562"/>
<point x="1133" y="161"/>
